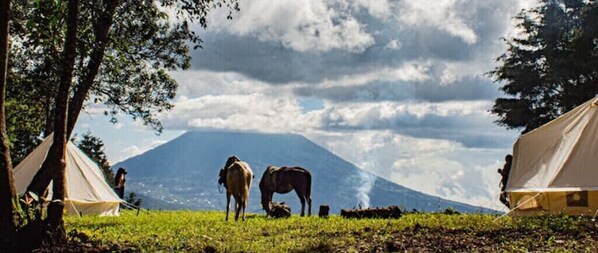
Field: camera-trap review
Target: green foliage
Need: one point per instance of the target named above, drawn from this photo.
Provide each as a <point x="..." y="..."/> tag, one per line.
<point x="551" y="66"/>
<point x="188" y="231"/>
<point x="93" y="147"/>
<point x="133" y="199"/>
<point x="29" y="209"/>
<point x="144" y="43"/>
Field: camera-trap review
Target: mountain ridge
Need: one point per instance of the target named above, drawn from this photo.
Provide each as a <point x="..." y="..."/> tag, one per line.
<point x="184" y="171"/>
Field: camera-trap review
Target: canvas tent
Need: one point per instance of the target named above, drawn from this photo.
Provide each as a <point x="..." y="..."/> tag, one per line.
<point x="87" y="190"/>
<point x="555" y="167"/>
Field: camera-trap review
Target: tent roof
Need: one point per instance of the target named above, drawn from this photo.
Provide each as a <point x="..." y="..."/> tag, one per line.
<point x="84" y="179"/>
<point x="559" y="156"/>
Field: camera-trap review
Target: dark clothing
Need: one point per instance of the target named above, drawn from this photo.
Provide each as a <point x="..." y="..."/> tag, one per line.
<point x="120" y="191"/>
<point x="506" y="169"/>
<point x="119" y="182"/>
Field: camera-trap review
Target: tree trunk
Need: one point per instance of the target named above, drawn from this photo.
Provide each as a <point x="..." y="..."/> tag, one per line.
<point x="7" y="187"/>
<point x="55" y="161"/>
<point x="101" y="30"/>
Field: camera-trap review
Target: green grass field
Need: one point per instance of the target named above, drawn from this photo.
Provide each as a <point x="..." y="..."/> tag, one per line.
<point x="199" y="231"/>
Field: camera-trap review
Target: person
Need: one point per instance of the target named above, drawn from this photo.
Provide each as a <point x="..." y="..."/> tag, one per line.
<point x="119" y="182"/>
<point x="504" y="172"/>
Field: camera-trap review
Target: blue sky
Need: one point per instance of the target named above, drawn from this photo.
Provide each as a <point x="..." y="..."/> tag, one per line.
<point x="396" y="87"/>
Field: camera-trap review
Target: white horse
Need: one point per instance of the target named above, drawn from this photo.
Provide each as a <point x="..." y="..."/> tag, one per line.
<point x="236" y="177"/>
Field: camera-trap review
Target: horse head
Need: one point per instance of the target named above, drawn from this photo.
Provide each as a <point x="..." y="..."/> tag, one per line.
<point x="267" y="187"/>
<point x="266" y="199"/>
<point x="222" y="177"/>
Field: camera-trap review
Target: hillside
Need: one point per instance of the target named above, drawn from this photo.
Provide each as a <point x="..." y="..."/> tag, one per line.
<point x="183" y="173"/>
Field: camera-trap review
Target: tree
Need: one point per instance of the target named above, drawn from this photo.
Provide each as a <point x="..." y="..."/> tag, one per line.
<point x="94" y="148"/>
<point x="8" y="222"/>
<point x="551" y="67"/>
<point x="115" y="52"/>
<point x="134" y="199"/>
<point x="123" y="65"/>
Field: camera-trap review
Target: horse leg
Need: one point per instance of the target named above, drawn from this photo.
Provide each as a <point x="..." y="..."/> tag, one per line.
<point x="244" y="206"/>
<point x="309" y="205"/>
<point x="302" y="199"/>
<point x="244" y="201"/>
<point x="237" y="208"/>
<point x="227" y="204"/>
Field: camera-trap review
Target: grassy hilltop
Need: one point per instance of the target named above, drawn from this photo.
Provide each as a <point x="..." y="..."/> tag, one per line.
<point x="196" y="231"/>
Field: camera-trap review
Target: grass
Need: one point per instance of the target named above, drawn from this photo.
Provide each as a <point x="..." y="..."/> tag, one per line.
<point x="206" y="231"/>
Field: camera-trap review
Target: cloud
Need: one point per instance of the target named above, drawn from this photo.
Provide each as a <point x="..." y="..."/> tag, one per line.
<point x="439" y="14"/>
<point x="129" y="152"/>
<point x="253" y="112"/>
<point x="280" y="110"/>
<point x="278" y="47"/>
<point x="438" y="167"/>
<point x="468" y="123"/>
<point x="396" y="87"/>
<point x="301" y="25"/>
<point x="394" y="44"/>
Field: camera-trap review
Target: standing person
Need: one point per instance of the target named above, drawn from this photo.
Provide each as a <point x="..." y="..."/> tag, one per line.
<point x="119" y="182"/>
<point x="504" y="172"/>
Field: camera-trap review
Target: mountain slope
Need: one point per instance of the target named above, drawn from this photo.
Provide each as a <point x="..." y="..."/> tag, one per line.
<point x="184" y="173"/>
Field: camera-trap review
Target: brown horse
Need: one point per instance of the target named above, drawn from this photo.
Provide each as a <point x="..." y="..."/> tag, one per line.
<point x="284" y="180"/>
<point x="236" y="176"/>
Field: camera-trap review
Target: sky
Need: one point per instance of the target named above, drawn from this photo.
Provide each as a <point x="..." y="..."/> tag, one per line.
<point x="399" y="88"/>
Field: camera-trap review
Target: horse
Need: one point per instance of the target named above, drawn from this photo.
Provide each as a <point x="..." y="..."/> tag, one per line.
<point x="284" y="180"/>
<point x="236" y="176"/>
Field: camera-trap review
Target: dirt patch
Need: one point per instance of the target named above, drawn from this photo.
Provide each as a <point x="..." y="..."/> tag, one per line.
<point x="423" y="239"/>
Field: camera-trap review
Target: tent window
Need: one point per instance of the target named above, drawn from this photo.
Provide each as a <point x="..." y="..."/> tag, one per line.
<point x="577" y="198"/>
<point x="527" y="202"/>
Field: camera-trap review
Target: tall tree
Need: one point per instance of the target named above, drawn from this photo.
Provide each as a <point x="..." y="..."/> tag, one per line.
<point x="551" y="67"/>
<point x="7" y="188"/>
<point x="55" y="162"/>
<point x="93" y="147"/>
<point x="122" y="64"/>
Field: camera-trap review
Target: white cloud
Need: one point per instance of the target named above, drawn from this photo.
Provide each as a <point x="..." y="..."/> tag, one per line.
<point x="413" y="71"/>
<point x="255" y="112"/>
<point x="303" y="25"/>
<point x="193" y="84"/>
<point x="155" y="143"/>
<point x="440" y="14"/>
<point x="130" y="152"/>
<point x="437" y="167"/>
<point x="381" y="9"/>
<point x="394" y="44"/>
<point x="389" y="115"/>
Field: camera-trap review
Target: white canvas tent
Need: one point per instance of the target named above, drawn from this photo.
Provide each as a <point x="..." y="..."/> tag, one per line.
<point x="87" y="190"/>
<point x="555" y="167"/>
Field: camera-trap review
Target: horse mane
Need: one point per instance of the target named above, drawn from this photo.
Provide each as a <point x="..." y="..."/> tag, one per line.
<point x="230" y="161"/>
